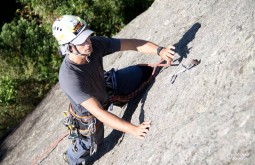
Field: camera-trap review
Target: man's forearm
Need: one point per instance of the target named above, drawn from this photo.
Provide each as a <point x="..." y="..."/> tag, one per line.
<point x="108" y="118"/>
<point x="117" y="123"/>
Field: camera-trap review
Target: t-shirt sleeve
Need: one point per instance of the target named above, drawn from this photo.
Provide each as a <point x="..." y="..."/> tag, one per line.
<point x="76" y="90"/>
<point x="107" y="45"/>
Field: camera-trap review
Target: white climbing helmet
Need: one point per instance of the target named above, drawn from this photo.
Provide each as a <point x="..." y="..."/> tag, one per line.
<point x="70" y="29"/>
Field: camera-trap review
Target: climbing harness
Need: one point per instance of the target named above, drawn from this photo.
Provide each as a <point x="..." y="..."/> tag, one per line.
<point x="81" y="127"/>
<point x="193" y="63"/>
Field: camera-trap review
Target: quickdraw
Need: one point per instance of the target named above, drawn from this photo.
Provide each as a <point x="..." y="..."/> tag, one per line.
<point x="193" y="63"/>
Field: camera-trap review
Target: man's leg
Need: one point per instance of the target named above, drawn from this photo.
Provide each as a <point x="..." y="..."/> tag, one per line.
<point x="130" y="78"/>
<point x="78" y="151"/>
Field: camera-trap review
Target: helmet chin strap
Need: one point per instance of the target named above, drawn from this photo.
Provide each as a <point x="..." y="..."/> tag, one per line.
<point x="79" y="54"/>
<point x="87" y="59"/>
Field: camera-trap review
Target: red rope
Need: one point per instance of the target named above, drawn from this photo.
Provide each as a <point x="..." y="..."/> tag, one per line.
<point x="49" y="149"/>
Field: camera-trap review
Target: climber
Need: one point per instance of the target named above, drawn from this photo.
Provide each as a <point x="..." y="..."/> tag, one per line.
<point x="82" y="78"/>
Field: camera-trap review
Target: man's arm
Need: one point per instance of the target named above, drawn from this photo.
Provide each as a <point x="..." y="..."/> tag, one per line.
<point x="147" y="47"/>
<point x="94" y="107"/>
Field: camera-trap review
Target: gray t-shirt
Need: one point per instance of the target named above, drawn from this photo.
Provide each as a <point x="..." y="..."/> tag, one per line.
<point x="81" y="82"/>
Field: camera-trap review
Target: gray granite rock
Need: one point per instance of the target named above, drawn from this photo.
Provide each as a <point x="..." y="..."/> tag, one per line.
<point x="205" y="117"/>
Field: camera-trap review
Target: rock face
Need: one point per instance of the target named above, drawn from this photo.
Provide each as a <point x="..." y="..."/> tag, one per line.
<point x="206" y="116"/>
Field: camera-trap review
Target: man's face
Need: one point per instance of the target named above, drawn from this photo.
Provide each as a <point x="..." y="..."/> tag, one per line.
<point x="85" y="47"/>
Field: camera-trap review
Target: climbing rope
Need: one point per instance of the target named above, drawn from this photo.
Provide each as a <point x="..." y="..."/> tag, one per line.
<point x="49" y="149"/>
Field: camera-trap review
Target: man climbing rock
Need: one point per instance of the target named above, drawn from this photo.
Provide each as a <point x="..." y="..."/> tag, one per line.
<point x="84" y="81"/>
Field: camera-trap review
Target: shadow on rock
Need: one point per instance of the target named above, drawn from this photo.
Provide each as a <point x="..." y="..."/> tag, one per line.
<point x="3" y="151"/>
<point x="141" y="115"/>
<point x="181" y="47"/>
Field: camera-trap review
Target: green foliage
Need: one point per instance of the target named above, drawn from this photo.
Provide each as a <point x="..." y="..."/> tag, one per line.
<point x="28" y="46"/>
<point x="101" y="15"/>
<point x="29" y="68"/>
<point x="28" y="52"/>
<point x="105" y="17"/>
<point x="8" y="90"/>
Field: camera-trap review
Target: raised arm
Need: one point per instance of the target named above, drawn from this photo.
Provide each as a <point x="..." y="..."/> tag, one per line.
<point x="94" y="107"/>
<point x="147" y="47"/>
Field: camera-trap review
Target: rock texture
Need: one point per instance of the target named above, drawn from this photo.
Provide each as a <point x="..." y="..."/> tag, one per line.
<point x="206" y="116"/>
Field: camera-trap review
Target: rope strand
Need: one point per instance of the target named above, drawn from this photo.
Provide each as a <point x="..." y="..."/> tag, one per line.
<point x="49" y="149"/>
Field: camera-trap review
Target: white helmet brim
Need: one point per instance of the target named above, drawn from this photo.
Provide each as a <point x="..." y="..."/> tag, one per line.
<point x="82" y="37"/>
